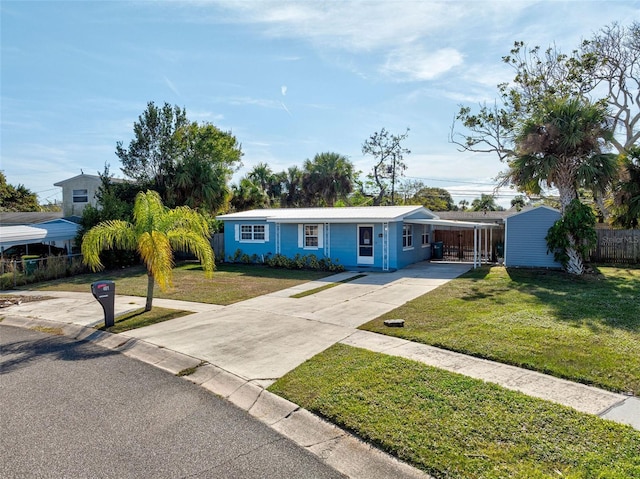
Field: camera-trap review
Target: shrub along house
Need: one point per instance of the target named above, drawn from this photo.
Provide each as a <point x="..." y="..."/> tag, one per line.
<point x="382" y="238"/>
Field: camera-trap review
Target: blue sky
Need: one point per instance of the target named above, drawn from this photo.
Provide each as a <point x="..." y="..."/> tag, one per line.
<point x="289" y="79"/>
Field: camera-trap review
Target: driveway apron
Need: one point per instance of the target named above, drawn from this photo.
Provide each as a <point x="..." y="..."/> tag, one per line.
<point x="263" y="338"/>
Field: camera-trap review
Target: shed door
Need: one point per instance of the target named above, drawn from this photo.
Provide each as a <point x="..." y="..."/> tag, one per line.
<point x="365" y="244"/>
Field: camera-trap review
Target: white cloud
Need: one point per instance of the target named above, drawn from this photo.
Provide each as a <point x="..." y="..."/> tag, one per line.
<point x="283" y="90"/>
<point x="415" y="63"/>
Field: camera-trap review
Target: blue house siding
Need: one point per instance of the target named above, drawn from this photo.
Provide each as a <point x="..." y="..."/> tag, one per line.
<point x="234" y="241"/>
<point x="334" y="233"/>
<point x="525" y="244"/>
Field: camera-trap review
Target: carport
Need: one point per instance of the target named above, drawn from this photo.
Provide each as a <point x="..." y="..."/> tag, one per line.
<point x="60" y="233"/>
<point x="478" y="228"/>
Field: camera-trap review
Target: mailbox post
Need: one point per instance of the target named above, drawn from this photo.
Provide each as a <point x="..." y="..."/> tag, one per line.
<point x="105" y="293"/>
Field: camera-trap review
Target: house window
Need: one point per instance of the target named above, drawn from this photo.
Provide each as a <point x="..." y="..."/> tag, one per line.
<point x="252" y="233"/>
<point x="425" y="235"/>
<point x="80" y="196"/>
<point x="310" y="236"/>
<point x="407" y="236"/>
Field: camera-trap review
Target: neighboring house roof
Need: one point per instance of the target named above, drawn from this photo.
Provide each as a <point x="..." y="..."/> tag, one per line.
<point x="27" y="218"/>
<point x="57" y="230"/>
<point x="331" y="215"/>
<point x="85" y="176"/>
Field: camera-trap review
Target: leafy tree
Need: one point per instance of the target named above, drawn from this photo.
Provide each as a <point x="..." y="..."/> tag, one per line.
<point x="327" y="178"/>
<point x="151" y="156"/>
<point x="270" y="182"/>
<point x="388" y="154"/>
<point x="561" y="146"/>
<point x="464" y="204"/>
<point x="485" y="203"/>
<point x="207" y="159"/>
<point x="16" y="198"/>
<point x="605" y="66"/>
<point x="186" y="162"/>
<point x="626" y="192"/>
<point x="154" y="233"/>
<point x="435" y="199"/>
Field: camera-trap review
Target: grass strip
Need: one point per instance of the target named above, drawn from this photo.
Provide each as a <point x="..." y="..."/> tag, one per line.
<point x="586" y="329"/>
<point x="452" y="426"/>
<point x="326" y="286"/>
<point x="140" y="318"/>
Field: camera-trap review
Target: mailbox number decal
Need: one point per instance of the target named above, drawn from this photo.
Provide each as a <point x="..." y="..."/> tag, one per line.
<point x="104" y="287"/>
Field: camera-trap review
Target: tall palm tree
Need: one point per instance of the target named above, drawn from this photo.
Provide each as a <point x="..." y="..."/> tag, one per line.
<point x="563" y="146"/>
<point x="328" y="177"/>
<point x="248" y="195"/>
<point x="155" y="233"/>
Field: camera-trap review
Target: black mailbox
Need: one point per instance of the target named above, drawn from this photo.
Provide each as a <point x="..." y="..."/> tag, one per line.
<point x="105" y="293"/>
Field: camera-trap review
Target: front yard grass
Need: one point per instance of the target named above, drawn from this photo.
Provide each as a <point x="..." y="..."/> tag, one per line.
<point x="583" y="329"/>
<point x="140" y="318"/>
<point x="452" y="426"/>
<point x="230" y="283"/>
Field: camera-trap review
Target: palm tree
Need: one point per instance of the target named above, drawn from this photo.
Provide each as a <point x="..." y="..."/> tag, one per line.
<point x="484" y="203"/>
<point x="248" y="195"/>
<point x="292" y="195"/>
<point x="155" y="233"/>
<point x="563" y="146"/>
<point x="328" y="176"/>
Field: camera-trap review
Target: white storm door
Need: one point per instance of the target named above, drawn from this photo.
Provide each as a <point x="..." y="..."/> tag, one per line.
<point x="365" y="244"/>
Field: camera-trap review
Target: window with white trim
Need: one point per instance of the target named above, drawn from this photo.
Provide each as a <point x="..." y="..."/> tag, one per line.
<point x="407" y="236"/>
<point x="310" y="236"/>
<point x="80" y="196"/>
<point x="252" y="233"/>
<point x="425" y="235"/>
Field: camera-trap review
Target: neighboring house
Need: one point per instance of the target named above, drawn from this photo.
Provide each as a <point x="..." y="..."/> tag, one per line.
<point x="525" y="243"/>
<point x="78" y="192"/>
<point x="376" y="237"/>
<point x="58" y="233"/>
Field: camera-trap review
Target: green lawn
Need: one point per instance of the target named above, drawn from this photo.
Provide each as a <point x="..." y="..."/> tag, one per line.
<point x="140" y="318"/>
<point x="452" y="426"/>
<point x="230" y="283"/>
<point x="584" y="329"/>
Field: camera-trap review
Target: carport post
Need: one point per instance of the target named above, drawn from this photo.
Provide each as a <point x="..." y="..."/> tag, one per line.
<point x="475" y="246"/>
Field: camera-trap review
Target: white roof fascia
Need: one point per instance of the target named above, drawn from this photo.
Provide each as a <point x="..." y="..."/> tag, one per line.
<point x="459" y="224"/>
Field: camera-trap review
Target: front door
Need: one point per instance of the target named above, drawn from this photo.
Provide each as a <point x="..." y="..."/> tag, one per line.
<point x="365" y="244"/>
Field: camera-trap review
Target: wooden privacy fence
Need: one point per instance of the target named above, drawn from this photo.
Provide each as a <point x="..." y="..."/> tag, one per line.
<point x="217" y="243"/>
<point x="617" y="246"/>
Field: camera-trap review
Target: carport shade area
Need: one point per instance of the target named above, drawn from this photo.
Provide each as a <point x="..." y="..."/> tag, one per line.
<point x="478" y="228"/>
<point x="59" y="233"/>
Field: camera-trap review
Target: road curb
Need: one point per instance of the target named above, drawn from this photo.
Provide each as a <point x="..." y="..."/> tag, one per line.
<point x="334" y="446"/>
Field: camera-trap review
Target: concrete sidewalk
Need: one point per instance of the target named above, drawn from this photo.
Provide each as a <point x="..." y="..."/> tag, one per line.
<point x="250" y="344"/>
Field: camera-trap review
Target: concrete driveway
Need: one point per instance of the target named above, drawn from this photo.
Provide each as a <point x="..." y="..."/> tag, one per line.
<point x="263" y="338"/>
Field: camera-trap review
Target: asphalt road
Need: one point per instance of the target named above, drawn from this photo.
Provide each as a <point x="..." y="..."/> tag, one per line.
<point x="73" y="409"/>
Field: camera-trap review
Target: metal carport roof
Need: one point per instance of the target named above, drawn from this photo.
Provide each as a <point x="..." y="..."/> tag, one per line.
<point x="58" y="230"/>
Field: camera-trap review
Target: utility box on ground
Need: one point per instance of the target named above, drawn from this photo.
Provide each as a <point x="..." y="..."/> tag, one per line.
<point x="105" y="293"/>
